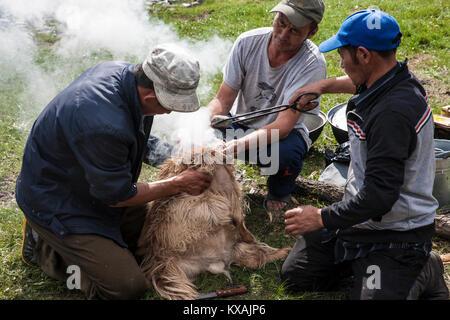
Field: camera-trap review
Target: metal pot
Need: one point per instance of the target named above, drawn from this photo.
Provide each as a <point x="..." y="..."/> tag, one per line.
<point x="315" y="124"/>
<point x="338" y="120"/>
<point x="441" y="187"/>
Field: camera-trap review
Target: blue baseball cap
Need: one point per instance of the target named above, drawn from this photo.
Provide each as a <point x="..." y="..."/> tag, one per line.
<point x="371" y="29"/>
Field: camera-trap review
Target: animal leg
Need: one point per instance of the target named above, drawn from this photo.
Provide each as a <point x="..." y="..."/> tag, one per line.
<point x="170" y="281"/>
<point x="245" y="235"/>
<point x="219" y="267"/>
<point x="255" y="255"/>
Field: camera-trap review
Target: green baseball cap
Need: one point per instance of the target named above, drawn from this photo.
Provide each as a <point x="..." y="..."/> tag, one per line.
<point x="301" y="12"/>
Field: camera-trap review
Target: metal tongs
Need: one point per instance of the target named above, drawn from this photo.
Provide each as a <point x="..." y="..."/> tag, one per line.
<point x="221" y="121"/>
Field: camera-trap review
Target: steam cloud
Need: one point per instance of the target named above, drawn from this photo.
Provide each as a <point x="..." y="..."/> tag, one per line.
<point x="89" y="32"/>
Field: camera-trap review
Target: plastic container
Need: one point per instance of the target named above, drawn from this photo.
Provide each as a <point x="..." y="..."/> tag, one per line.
<point x="441" y="187"/>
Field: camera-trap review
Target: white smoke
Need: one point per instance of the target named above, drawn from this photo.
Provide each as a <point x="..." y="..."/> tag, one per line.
<point x="192" y="130"/>
<point x="88" y="32"/>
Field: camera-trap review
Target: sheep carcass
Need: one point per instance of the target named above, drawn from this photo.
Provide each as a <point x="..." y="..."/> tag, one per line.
<point x="185" y="235"/>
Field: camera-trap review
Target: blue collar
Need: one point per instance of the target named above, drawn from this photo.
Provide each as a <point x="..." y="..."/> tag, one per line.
<point x="132" y="97"/>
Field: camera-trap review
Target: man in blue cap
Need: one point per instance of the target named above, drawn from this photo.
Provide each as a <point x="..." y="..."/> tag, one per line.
<point x="381" y="231"/>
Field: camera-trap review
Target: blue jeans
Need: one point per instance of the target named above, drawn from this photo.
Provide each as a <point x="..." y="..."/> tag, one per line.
<point x="292" y="151"/>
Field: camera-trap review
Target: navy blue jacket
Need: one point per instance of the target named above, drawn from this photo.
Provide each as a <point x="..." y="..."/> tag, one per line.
<point x="85" y="153"/>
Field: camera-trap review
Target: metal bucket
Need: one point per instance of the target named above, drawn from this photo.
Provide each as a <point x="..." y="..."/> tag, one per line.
<point x="338" y="120"/>
<point x="441" y="187"/>
<point x="315" y="124"/>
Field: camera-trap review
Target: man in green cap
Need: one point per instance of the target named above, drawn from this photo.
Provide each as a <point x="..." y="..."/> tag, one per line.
<point x="265" y="67"/>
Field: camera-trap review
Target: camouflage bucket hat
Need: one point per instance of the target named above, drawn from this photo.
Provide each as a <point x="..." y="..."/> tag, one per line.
<point x="175" y="75"/>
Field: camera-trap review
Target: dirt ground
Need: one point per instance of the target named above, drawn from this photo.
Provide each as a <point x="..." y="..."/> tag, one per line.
<point x="432" y="78"/>
<point x="7" y="195"/>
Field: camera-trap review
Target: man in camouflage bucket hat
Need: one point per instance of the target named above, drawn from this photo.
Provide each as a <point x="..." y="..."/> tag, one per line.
<point x="78" y="185"/>
<point x="175" y="77"/>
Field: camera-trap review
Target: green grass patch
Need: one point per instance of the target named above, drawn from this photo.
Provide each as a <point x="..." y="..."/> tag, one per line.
<point x="425" y="25"/>
<point x="17" y="280"/>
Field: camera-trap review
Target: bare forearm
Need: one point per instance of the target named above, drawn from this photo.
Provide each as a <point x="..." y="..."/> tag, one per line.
<point x="331" y="85"/>
<point x="216" y="107"/>
<point x="338" y="85"/>
<point x="223" y="101"/>
<point x="190" y="181"/>
<point x="147" y="192"/>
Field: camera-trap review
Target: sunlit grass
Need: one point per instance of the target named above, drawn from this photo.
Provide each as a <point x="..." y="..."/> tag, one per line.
<point x="425" y="25"/>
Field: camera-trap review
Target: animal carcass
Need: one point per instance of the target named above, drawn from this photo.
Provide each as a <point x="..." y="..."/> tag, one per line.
<point x="185" y="235"/>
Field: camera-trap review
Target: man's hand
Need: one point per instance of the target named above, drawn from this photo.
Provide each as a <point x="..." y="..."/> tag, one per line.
<point x="192" y="182"/>
<point x="305" y="103"/>
<point x="303" y="219"/>
<point x="233" y="146"/>
<point x="317" y="87"/>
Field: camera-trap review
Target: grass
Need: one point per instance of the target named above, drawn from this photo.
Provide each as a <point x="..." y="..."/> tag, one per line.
<point x="425" y="25"/>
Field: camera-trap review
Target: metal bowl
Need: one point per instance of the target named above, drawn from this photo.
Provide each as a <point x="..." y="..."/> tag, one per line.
<point x="338" y="121"/>
<point x="315" y="124"/>
<point x="441" y="187"/>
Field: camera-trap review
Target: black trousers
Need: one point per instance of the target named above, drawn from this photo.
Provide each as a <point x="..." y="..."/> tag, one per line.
<point x="386" y="274"/>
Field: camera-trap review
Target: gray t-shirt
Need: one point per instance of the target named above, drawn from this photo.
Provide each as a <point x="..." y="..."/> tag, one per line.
<point x="261" y="86"/>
